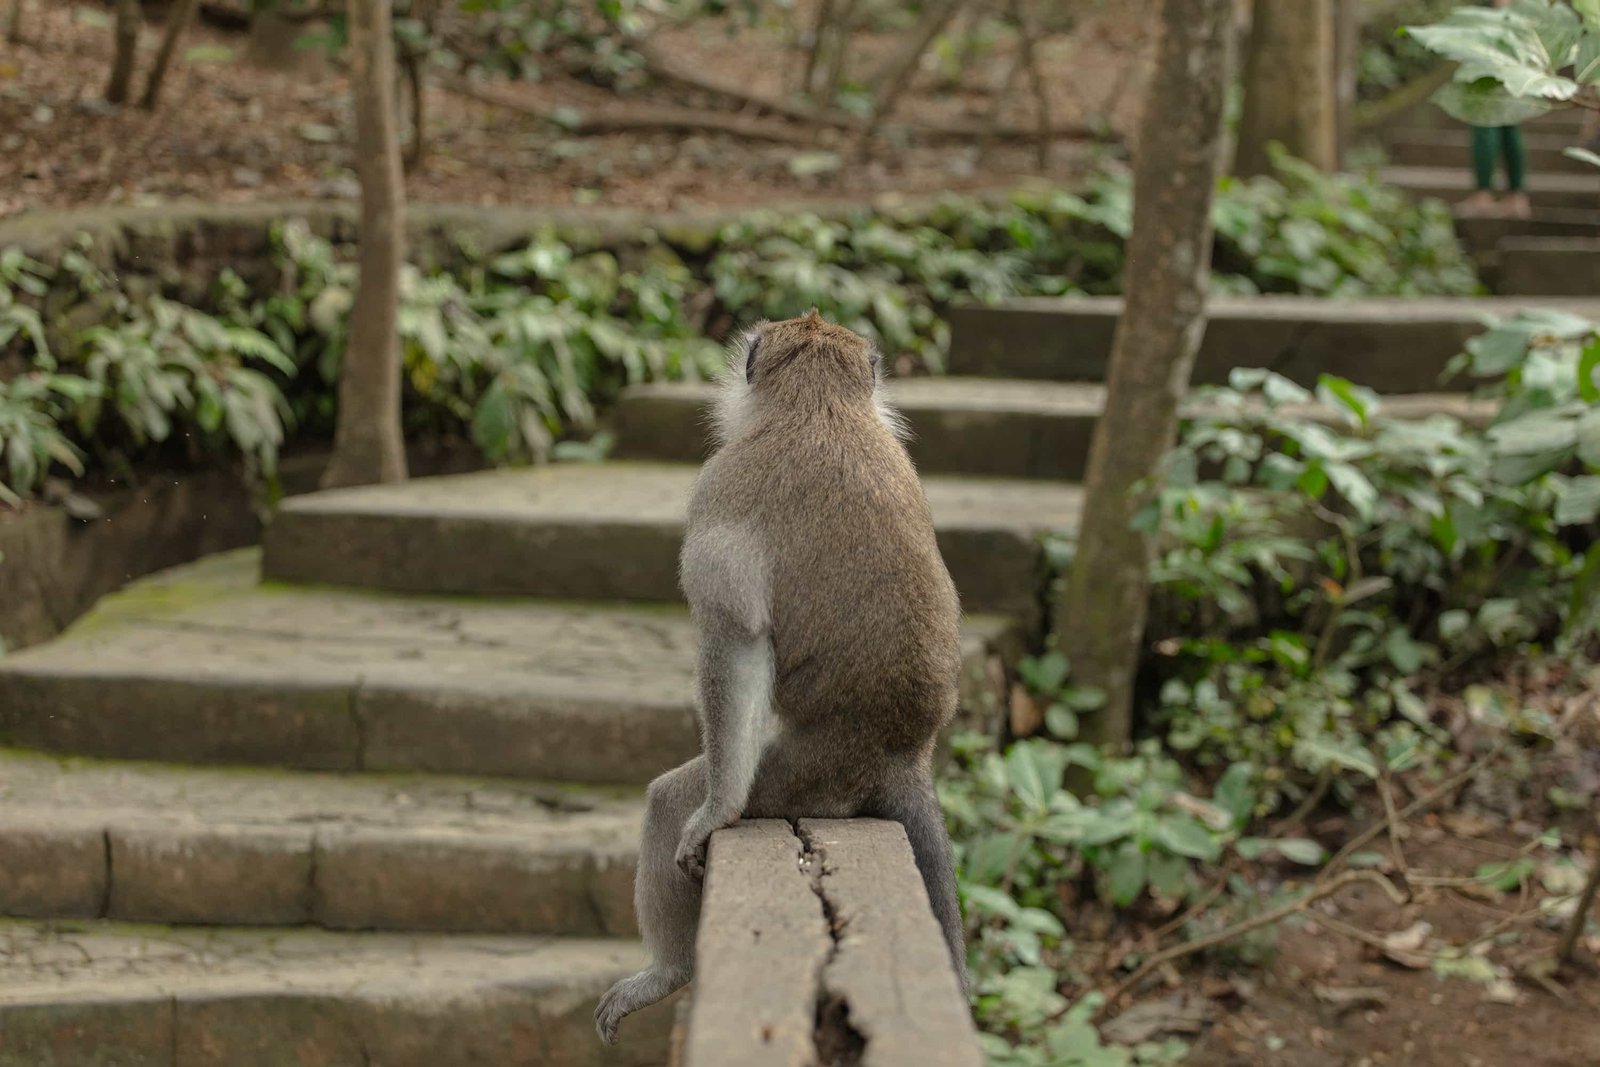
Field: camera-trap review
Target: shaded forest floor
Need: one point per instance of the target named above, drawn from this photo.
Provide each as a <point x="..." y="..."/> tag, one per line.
<point x="1462" y="975"/>
<point x="229" y="130"/>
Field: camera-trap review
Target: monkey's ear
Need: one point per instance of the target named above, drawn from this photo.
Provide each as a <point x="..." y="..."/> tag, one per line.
<point x="750" y="360"/>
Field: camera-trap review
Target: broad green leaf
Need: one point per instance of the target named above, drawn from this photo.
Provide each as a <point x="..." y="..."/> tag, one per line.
<point x="1321" y="751"/>
<point x="1354" y="486"/>
<point x="1300" y="850"/>
<point x="1588" y="363"/>
<point x="1061" y="721"/>
<point x="1186" y="837"/>
<point x="1579" y="501"/>
<point x="1127" y="874"/>
<point x="1487" y="103"/>
<point x="1034" y="770"/>
<point x="1236" y="793"/>
<point x="1538" y="432"/>
<point x="1169" y="875"/>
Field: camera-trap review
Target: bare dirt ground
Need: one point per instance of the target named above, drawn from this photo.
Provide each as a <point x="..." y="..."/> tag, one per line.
<point x="231" y="131"/>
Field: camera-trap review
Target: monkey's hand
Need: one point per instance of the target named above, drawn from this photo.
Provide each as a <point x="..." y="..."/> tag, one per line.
<point x="696" y="836"/>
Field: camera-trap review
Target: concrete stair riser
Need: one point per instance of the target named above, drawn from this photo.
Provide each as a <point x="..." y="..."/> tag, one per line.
<point x="613" y="530"/>
<point x="966" y="426"/>
<point x="1391" y="346"/>
<point x="1453" y="148"/>
<point x="1548" y="265"/>
<point x="202" y="666"/>
<point x="153" y="997"/>
<point x="1545" y="190"/>
<point x="157" y="843"/>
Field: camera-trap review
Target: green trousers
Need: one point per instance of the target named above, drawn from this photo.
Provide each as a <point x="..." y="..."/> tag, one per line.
<point x="1488" y="144"/>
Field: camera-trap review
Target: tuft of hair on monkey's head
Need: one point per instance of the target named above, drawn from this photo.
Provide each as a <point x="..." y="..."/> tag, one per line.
<point x="825" y="354"/>
<point x="796" y="362"/>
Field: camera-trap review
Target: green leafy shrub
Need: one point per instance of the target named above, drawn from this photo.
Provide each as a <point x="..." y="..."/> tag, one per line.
<point x="522" y="351"/>
<point x="1337" y="560"/>
<point x="1022" y="839"/>
<point x="1519" y="62"/>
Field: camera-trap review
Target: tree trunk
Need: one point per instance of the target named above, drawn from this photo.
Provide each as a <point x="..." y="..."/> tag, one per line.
<point x="1347" y="54"/>
<point x="892" y="80"/>
<point x="179" y="16"/>
<point x="1289" y="86"/>
<point x="127" y="35"/>
<point x="14" y="23"/>
<point x="368" y="445"/>
<point x="1100" y="617"/>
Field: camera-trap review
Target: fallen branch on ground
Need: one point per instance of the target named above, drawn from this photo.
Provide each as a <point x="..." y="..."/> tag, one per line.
<point x="669" y="119"/>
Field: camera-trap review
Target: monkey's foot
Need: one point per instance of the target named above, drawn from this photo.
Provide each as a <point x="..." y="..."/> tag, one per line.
<point x="631" y="994"/>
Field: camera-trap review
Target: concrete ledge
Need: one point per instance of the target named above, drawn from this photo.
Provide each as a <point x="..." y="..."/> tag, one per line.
<point x="1392" y="346"/>
<point x="817" y="945"/>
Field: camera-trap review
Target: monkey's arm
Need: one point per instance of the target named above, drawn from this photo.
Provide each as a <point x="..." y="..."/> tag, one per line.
<point x="725" y="579"/>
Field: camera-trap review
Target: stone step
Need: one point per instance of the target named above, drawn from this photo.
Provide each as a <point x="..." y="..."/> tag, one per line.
<point x="1453" y="148"/>
<point x="152" y="842"/>
<point x="1482" y="235"/>
<point x="988" y="426"/>
<point x="1577" y="190"/>
<point x="97" y="994"/>
<point x="613" y="530"/>
<point x="1559" y="266"/>
<point x="1392" y="345"/>
<point x="200" y="664"/>
<point x="1568" y="121"/>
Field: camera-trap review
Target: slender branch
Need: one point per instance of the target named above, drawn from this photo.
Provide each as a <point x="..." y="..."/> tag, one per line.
<point x="1580" y="918"/>
<point x="636" y="117"/>
<point x="1022" y="11"/>
<point x="1392" y="818"/>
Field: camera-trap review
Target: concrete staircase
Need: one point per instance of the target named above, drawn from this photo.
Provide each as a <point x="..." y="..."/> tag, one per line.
<point x="1555" y="253"/>
<point x="382" y="807"/>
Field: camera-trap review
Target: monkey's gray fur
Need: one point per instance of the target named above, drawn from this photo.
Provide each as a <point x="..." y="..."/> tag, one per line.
<point x="829" y="636"/>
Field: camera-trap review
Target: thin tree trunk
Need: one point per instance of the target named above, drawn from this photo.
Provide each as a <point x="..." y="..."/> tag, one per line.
<point x="891" y="81"/>
<point x="127" y="47"/>
<point x="180" y="16"/>
<point x="1022" y="11"/>
<point x="368" y="445"/>
<point x="417" y="150"/>
<point x="1289" y="86"/>
<point x="1347" y="53"/>
<point x="14" y="23"/>
<point x="1100" y="617"/>
<point x="819" y="34"/>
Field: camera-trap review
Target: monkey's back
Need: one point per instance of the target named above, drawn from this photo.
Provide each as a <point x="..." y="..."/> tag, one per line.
<point x="864" y="617"/>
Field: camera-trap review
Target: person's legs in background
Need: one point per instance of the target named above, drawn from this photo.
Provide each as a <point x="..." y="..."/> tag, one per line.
<point x="1485" y="150"/>
<point x="1516" y="203"/>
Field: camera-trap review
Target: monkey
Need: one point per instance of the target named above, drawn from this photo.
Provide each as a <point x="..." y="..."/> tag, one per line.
<point x="829" y="635"/>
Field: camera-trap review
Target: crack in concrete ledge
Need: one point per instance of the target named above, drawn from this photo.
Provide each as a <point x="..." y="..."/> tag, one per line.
<point x="837" y="1041"/>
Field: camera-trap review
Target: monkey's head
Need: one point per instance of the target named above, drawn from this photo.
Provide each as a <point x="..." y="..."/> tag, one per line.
<point x="795" y="363"/>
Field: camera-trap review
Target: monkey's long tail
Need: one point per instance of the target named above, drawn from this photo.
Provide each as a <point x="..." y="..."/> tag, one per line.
<point x="915" y="806"/>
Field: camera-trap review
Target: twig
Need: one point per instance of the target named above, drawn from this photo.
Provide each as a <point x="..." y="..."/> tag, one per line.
<point x="1422" y="803"/>
<point x="1244" y="926"/>
<point x="1354" y="933"/>
<point x="1569" y="941"/>
<point x="1392" y="818"/>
